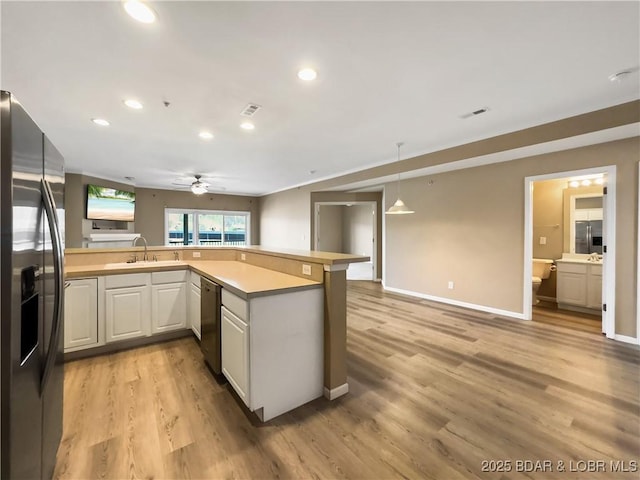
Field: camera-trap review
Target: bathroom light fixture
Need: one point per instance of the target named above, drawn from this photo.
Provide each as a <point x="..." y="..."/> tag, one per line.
<point x="398" y="208"/>
<point x="131" y="103"/>
<point x="586" y="180"/>
<point x="307" y="74"/>
<point x="247" y="126"/>
<point x="100" y="121"/>
<point x="206" y="135"/>
<point x="140" y="11"/>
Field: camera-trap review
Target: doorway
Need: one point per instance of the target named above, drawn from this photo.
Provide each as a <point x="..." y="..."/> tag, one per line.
<point x="348" y="227"/>
<point x="595" y="254"/>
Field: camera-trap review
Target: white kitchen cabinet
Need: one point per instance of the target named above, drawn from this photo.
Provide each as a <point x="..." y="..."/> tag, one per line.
<point x="168" y="307"/>
<point x="272" y="349"/>
<point x="168" y="301"/>
<point x="81" y="314"/>
<point x="235" y="353"/>
<point x="127" y="312"/>
<point x="194" y="309"/>
<point x="127" y="306"/>
<point x="579" y="286"/>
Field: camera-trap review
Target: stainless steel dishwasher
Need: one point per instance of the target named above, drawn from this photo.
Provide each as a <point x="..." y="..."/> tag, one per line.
<point x="210" y="304"/>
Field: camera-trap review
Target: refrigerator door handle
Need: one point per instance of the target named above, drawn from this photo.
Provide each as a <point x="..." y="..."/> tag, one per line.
<point x="52" y="217"/>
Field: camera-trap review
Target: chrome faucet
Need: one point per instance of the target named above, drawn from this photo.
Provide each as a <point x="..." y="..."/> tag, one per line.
<point x="135" y="240"/>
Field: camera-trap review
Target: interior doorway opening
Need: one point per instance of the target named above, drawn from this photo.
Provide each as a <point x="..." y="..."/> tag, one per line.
<point x="570" y="219"/>
<point x="348" y="227"/>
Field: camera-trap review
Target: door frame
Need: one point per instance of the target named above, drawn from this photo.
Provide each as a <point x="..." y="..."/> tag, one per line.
<point x="609" y="263"/>
<point x="374" y="248"/>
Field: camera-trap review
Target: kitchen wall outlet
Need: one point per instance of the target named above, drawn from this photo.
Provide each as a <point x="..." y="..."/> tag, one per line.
<point x="450" y="285"/>
<point x="196" y="254"/>
<point x="306" y="269"/>
<point x="243" y="256"/>
<point x="543" y="240"/>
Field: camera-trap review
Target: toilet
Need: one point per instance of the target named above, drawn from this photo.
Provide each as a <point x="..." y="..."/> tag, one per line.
<point x="541" y="270"/>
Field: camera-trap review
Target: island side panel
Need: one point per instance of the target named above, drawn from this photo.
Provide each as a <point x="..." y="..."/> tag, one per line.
<point x="335" y="331"/>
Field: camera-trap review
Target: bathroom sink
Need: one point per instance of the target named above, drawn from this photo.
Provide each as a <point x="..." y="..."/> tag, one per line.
<point x="141" y="264"/>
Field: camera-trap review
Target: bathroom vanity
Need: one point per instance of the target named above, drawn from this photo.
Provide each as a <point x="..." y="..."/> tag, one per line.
<point x="579" y="285"/>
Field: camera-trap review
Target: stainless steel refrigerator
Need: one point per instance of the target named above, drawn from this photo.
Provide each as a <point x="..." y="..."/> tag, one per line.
<point x="31" y="295"/>
<point x="588" y="236"/>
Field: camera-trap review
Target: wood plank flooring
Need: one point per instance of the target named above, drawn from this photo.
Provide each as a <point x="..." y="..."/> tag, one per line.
<point x="436" y="392"/>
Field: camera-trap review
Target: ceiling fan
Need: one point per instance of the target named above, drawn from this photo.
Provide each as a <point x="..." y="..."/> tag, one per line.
<point x="198" y="186"/>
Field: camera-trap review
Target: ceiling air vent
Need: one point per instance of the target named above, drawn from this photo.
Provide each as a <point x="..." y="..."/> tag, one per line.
<point x="250" y="110"/>
<point x="475" y="112"/>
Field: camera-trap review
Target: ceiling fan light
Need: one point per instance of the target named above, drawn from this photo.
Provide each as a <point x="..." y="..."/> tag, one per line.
<point x="198" y="188"/>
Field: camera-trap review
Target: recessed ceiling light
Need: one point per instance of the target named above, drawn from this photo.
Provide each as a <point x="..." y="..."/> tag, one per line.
<point x="100" y="121"/>
<point x="206" y="135"/>
<point x="307" y="74"/>
<point x="574" y="183"/>
<point x="140" y="11"/>
<point x="131" y="103"/>
<point x="247" y="126"/>
<point x="586" y="183"/>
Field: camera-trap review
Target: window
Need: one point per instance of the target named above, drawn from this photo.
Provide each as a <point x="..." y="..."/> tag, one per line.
<point x="206" y="227"/>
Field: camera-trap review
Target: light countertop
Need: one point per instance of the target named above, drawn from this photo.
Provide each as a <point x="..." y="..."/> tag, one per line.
<point x="239" y="277"/>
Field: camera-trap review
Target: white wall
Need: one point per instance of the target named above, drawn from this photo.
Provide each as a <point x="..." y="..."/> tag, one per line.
<point x="330" y="233"/>
<point x="358" y="230"/>
<point x="285" y="219"/>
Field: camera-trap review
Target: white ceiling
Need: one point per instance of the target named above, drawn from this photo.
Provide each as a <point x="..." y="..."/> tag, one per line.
<point x="387" y="72"/>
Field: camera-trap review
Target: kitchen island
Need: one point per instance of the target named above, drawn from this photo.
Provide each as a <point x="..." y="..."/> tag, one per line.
<point x="248" y="272"/>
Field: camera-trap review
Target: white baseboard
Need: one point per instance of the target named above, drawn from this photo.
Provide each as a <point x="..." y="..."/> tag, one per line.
<point x="336" y="392"/>
<point x="626" y="339"/>
<point x="457" y="303"/>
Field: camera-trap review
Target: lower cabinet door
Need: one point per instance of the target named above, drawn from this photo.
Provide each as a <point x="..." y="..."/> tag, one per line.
<point x="594" y="289"/>
<point x="168" y="307"/>
<point x="194" y="309"/>
<point x="235" y="354"/>
<point x="572" y="288"/>
<point x="127" y="312"/>
<point x="81" y="314"/>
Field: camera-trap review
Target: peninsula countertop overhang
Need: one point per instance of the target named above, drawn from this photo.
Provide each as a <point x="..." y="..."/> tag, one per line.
<point x="325" y="258"/>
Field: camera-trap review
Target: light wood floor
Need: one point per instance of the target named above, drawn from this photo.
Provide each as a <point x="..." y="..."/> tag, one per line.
<point x="435" y="391"/>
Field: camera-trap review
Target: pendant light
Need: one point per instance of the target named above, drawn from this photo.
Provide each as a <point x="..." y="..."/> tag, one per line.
<point x="398" y="208"/>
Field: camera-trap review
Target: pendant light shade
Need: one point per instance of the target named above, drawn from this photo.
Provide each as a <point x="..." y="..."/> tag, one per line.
<point x="398" y="208"/>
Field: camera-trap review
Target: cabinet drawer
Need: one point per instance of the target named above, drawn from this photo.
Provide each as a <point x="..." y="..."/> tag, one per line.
<point x="572" y="267"/>
<point x="235" y="304"/>
<point x="195" y="279"/>
<point x="126" y="280"/>
<point x="173" y="276"/>
<point x="596" y="270"/>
